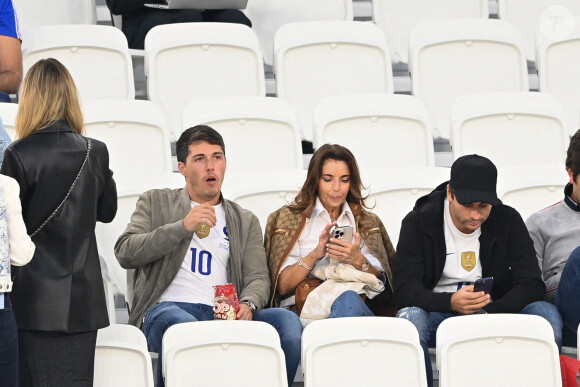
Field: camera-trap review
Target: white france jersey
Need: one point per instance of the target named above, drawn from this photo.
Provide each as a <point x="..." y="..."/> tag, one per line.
<point x="462" y="263"/>
<point x="204" y="265"/>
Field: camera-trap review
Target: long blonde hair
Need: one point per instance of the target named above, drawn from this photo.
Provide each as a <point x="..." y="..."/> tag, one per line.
<point x="48" y="94"/>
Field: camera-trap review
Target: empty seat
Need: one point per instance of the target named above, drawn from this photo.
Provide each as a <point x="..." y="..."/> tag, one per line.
<point x="314" y="60"/>
<point x="530" y="188"/>
<point x="386" y="348"/>
<point x="33" y="13"/>
<point x="135" y="133"/>
<point x="396" y="18"/>
<point x="448" y="58"/>
<point x="509" y="350"/>
<point x="121" y="358"/>
<point x="186" y="61"/>
<point x="558" y="59"/>
<point x="394" y="191"/>
<point x="97" y="57"/>
<point x="260" y="133"/>
<point x="263" y="192"/>
<point x="530" y="15"/>
<point x="510" y="128"/>
<point x="8" y="113"/>
<point x="380" y="130"/>
<point x="268" y="16"/>
<point x="223" y="353"/>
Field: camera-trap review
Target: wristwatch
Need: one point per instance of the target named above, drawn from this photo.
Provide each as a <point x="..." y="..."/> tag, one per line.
<point x="251" y="305"/>
<point x="365" y="266"/>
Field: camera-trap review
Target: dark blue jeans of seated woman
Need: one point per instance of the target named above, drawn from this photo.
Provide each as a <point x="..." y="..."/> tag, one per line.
<point x="349" y="304"/>
<point x="8" y="345"/>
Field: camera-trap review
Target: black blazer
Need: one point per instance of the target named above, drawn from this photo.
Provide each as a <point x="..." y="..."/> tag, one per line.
<point x="61" y="289"/>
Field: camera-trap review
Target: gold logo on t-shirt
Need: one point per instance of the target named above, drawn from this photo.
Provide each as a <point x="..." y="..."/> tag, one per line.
<point x="468" y="260"/>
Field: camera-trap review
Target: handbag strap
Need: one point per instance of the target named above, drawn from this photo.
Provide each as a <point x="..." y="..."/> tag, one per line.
<point x="69" y="191"/>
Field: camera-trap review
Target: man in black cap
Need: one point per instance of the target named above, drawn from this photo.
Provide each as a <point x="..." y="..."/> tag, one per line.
<point x="458" y="233"/>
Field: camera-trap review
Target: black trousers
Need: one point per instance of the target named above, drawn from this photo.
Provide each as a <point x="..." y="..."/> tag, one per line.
<point x="49" y="359"/>
<point x="137" y="26"/>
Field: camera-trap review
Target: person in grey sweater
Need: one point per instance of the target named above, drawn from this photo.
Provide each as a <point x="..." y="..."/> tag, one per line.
<point x="556" y="234"/>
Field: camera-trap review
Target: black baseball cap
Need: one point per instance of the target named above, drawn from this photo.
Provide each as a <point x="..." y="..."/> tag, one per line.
<point x="474" y="179"/>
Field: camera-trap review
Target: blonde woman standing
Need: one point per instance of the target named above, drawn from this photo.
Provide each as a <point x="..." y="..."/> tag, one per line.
<point x="65" y="188"/>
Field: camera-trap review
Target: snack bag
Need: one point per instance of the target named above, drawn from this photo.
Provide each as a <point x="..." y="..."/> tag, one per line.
<point x="226" y="304"/>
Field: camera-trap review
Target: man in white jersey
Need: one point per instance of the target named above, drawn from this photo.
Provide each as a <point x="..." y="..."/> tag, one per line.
<point x="460" y="232"/>
<point x="183" y="242"/>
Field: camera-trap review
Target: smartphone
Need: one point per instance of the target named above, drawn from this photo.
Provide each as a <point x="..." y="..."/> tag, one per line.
<point x="483" y="284"/>
<point x="344" y="233"/>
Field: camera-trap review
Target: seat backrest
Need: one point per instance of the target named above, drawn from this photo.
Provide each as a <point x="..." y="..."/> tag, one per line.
<point x="397" y="18"/>
<point x="33" y="13"/>
<point x="263" y="192"/>
<point x="268" y="16"/>
<point x="394" y="191"/>
<point x="260" y="133"/>
<point x="448" y="58"/>
<point x="222" y="353"/>
<point x="97" y="57"/>
<point x="531" y="188"/>
<point x="509" y="350"/>
<point x="510" y="128"/>
<point x="380" y="130"/>
<point x="314" y="60"/>
<point x="555" y="58"/>
<point x="121" y="358"/>
<point x="135" y="133"/>
<point x="387" y="348"/>
<point x="530" y="15"/>
<point x="187" y="61"/>
<point x="8" y="113"/>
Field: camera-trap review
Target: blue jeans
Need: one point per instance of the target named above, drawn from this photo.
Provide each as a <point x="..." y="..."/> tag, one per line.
<point x="567" y="298"/>
<point x="349" y="304"/>
<point x="427" y="324"/>
<point x="165" y="314"/>
<point x="8" y="345"/>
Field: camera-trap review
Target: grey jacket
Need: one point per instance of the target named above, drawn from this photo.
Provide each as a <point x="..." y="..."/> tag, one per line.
<point x="155" y="243"/>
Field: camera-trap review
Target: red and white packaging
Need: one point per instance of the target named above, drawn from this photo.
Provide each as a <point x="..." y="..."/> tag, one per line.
<point x="226" y="304"/>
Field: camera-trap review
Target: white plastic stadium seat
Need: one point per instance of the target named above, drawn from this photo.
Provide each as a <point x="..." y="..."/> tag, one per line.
<point x="531" y="15"/>
<point x="33" y="13"/>
<point x="394" y="191"/>
<point x="531" y="188"/>
<point x="396" y="18"/>
<point x="268" y="16"/>
<point x="558" y="56"/>
<point x="259" y="132"/>
<point x="97" y="57"/>
<point x="314" y="60"/>
<point x="186" y="61"/>
<point x="448" y="58"/>
<point x="386" y="348"/>
<point x="263" y="192"/>
<point x="380" y="130"/>
<point x="121" y="358"/>
<point x="497" y="350"/>
<point x="135" y="133"/>
<point x="8" y="113"/>
<point x="510" y="128"/>
<point x="222" y="354"/>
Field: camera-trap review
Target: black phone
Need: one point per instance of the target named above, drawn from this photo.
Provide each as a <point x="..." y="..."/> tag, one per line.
<point x="483" y="284"/>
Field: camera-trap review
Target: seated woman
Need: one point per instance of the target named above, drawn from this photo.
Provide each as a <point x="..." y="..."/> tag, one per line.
<point x="299" y="245"/>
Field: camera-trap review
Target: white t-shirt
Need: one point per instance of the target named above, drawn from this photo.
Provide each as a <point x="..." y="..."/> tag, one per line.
<point x="204" y="265"/>
<point x="462" y="263"/>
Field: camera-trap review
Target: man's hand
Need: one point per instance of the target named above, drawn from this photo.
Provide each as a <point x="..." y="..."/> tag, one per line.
<point x="466" y="301"/>
<point x="245" y="312"/>
<point x="202" y="213"/>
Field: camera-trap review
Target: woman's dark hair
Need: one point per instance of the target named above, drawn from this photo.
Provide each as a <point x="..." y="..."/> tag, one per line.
<point x="309" y="191"/>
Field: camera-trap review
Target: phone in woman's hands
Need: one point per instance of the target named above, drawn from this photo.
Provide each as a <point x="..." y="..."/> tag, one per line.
<point x="343" y="233"/>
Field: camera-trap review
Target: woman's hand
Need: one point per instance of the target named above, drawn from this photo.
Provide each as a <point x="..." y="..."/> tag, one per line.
<point x="346" y="252"/>
<point x="320" y="251"/>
